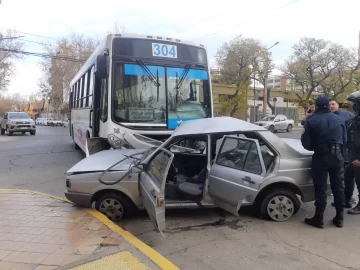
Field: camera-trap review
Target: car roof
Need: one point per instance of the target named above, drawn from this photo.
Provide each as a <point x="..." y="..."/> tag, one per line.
<point x="222" y="124"/>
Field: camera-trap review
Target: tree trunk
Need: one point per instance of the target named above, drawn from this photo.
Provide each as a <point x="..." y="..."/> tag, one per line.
<point x="268" y="102"/>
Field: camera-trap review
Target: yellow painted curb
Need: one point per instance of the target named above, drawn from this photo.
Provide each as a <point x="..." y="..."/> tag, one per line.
<point x="153" y="255"/>
<point x="156" y="257"/>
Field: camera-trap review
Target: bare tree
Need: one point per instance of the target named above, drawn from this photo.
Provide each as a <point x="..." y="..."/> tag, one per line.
<point x="238" y="60"/>
<point x="9" y="44"/>
<point x="342" y="79"/>
<point x="57" y="74"/>
<point x="312" y="64"/>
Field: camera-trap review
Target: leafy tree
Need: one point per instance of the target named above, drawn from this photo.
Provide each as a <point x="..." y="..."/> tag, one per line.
<point x="317" y="64"/>
<point x="238" y="59"/>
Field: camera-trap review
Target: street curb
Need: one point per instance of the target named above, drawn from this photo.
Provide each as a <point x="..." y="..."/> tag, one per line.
<point x="149" y="252"/>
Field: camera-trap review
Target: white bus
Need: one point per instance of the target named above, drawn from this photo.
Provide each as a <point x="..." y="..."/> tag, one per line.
<point x="134" y="90"/>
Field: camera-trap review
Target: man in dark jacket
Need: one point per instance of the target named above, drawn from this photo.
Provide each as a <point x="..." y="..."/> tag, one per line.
<point x="349" y="174"/>
<point x="325" y="134"/>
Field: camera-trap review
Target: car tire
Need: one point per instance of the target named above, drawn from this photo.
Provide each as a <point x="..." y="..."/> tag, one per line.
<point x="2" y="131"/>
<point x="33" y="132"/>
<point x="109" y="202"/>
<point x="272" y="129"/>
<point x="10" y="133"/>
<point x="282" y="200"/>
<point x="289" y="128"/>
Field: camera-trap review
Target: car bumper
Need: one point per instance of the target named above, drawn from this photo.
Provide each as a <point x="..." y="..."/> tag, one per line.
<point x="22" y="128"/>
<point x="79" y="199"/>
<point x="308" y="192"/>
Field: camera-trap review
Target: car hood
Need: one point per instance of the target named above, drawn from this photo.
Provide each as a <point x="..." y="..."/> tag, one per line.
<point x="20" y="120"/>
<point x="297" y="146"/>
<point x="262" y="122"/>
<point x="101" y="161"/>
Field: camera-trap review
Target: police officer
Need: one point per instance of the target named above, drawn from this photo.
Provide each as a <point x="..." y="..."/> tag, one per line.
<point x="349" y="173"/>
<point x="325" y="134"/>
<point x="353" y="131"/>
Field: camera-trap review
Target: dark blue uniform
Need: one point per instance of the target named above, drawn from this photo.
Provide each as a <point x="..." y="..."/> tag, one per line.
<point x="325" y="134"/>
<point x="349" y="173"/>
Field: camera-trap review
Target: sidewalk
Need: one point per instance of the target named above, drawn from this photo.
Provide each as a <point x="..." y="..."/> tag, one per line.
<point x="38" y="231"/>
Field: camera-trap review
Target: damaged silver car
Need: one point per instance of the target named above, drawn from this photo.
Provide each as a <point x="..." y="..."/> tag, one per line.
<point x="215" y="162"/>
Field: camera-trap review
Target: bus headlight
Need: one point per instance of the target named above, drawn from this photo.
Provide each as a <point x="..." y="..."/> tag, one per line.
<point x="114" y="141"/>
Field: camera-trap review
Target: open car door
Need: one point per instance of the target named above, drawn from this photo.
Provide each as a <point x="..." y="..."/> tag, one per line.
<point x="152" y="182"/>
<point x="237" y="172"/>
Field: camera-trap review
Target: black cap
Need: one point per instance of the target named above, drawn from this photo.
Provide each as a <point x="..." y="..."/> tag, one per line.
<point x="322" y="102"/>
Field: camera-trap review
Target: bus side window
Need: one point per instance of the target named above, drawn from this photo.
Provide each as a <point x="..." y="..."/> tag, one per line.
<point x="91" y="87"/>
<point x="104" y="100"/>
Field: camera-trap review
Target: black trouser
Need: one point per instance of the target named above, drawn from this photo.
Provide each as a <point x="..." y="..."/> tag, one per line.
<point x="349" y="182"/>
<point x="357" y="179"/>
<point x="321" y="167"/>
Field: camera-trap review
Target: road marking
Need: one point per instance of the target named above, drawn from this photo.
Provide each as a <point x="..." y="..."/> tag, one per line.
<point x="121" y="260"/>
<point x="152" y="254"/>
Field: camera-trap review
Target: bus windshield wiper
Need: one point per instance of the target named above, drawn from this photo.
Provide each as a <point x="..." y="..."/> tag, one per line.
<point x="183" y="75"/>
<point x="150" y="75"/>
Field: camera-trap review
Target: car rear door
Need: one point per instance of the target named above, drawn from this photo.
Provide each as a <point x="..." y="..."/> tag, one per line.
<point x="236" y="174"/>
<point x="152" y="186"/>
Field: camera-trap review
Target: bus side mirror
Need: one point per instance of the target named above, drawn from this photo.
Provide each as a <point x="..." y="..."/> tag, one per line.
<point x="101" y="71"/>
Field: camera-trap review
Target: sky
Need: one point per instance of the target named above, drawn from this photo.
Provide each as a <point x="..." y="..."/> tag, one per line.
<point x="204" y="22"/>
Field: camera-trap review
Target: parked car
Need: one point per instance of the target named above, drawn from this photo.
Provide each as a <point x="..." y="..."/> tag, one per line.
<point x="57" y="123"/>
<point x="17" y="122"/>
<point x="275" y="123"/>
<point x="216" y="162"/>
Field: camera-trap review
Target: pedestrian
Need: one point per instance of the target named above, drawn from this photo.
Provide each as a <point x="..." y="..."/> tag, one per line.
<point x="324" y="133"/>
<point x="353" y="132"/>
<point x="349" y="173"/>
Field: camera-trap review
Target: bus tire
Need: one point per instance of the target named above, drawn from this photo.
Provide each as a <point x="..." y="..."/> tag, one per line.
<point x="76" y="147"/>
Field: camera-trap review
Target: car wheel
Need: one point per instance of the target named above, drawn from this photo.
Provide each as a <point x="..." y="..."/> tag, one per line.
<point x="10" y="133"/>
<point x="289" y="128"/>
<point x="272" y="129"/>
<point x="114" y="206"/>
<point x="279" y="205"/>
<point x="33" y="132"/>
<point x="2" y="131"/>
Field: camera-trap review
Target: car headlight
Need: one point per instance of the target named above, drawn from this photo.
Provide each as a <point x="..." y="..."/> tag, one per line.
<point x="12" y="122"/>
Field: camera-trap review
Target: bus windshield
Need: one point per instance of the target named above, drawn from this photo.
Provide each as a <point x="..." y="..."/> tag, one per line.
<point x="159" y="96"/>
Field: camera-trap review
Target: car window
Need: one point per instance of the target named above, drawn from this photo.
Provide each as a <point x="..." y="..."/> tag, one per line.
<point x="282" y="118"/>
<point x="252" y="163"/>
<point x="157" y="167"/>
<point x="18" y="116"/>
<point x="267" y="155"/>
<point x="241" y="155"/>
<point x="193" y="146"/>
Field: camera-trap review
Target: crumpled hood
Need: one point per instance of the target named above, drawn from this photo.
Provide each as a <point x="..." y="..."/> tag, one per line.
<point x="101" y="161"/>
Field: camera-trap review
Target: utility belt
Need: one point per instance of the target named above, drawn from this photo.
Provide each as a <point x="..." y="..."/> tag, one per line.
<point x="332" y="149"/>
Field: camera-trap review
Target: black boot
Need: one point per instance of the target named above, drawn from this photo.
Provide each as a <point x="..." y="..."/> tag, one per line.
<point x="355" y="210"/>
<point x="316" y="221"/>
<point x="338" y="220"/>
<point x="348" y="204"/>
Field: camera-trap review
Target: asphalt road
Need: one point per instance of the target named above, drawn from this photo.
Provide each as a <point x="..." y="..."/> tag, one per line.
<point x="195" y="239"/>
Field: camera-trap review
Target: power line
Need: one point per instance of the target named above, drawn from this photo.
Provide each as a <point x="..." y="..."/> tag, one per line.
<point x="41" y="43"/>
<point x="198" y="22"/>
<point x="286" y="5"/>
<point x="64" y="58"/>
<point x="31" y="34"/>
